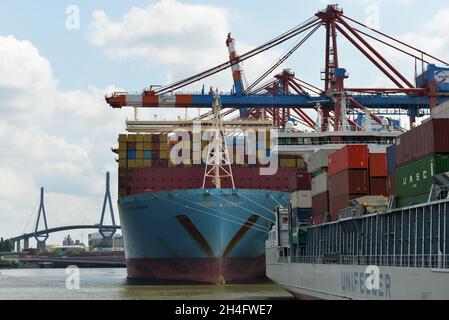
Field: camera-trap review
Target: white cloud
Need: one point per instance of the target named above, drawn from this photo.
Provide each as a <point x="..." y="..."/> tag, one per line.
<point x="182" y="38"/>
<point x="58" y="139"/>
<point x="168" y="32"/>
<point x="432" y="37"/>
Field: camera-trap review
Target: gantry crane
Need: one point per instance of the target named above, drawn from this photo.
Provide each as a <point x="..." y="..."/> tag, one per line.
<point x="287" y="96"/>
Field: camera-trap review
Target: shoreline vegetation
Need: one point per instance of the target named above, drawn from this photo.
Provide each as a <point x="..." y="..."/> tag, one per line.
<point x="9" y="264"/>
<point x="16" y="264"/>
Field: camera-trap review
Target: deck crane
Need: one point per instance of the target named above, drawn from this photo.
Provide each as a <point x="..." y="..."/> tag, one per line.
<point x="288" y="96"/>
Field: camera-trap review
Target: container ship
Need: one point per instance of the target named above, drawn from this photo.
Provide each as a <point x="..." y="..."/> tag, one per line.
<point x="178" y="226"/>
<point x="379" y="227"/>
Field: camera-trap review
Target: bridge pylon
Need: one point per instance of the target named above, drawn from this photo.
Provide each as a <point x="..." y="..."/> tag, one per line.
<point x="107" y="232"/>
<point x="41" y="237"/>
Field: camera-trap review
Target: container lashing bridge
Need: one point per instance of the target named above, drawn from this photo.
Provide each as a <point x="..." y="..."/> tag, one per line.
<point x="288" y="97"/>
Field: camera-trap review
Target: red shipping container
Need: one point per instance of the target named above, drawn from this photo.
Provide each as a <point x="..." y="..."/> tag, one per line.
<point x="304" y="181"/>
<point x="338" y="203"/>
<point x="320" y="204"/>
<point x="131" y="146"/>
<point x="163" y="178"/>
<point x="378" y="186"/>
<point x="430" y="137"/>
<point x="378" y="165"/>
<point x="318" y="219"/>
<point x="155" y="138"/>
<point x="354" y="156"/>
<point x="353" y="181"/>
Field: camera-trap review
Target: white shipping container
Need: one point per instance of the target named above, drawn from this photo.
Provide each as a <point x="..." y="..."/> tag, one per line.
<point x="319" y="184"/>
<point x="377" y="148"/>
<point x="320" y="159"/>
<point x="301" y="199"/>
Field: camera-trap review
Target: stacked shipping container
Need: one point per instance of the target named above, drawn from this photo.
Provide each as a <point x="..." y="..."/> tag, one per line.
<point x="145" y="166"/>
<point x="318" y="166"/>
<point x="378" y="174"/>
<point x="391" y="170"/>
<point x="301" y="203"/>
<point x="353" y="172"/>
<point x="420" y="154"/>
<point x="348" y="177"/>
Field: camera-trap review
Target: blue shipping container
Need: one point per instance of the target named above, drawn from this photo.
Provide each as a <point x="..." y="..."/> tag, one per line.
<point x="147" y="155"/>
<point x="131" y="154"/>
<point x="391" y="159"/>
<point x="302" y="213"/>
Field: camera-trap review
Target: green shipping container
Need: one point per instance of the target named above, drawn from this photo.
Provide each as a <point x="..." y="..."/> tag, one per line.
<point x="294" y="235"/>
<point x="302" y="241"/>
<point x="416" y="177"/>
<point x="299" y="237"/>
<point x="413" y="200"/>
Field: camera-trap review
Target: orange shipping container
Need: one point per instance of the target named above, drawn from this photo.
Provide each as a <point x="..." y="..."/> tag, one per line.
<point x="354" y="156"/>
<point x="378" y="165"/>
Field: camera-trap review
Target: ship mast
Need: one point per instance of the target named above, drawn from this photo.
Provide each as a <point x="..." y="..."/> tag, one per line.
<point x="218" y="164"/>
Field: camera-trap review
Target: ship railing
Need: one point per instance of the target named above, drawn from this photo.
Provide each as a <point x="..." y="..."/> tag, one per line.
<point x="318" y="143"/>
<point x="439" y="193"/>
<point x="434" y="261"/>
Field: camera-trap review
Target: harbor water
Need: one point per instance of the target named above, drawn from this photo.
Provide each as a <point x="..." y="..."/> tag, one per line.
<point x="112" y="284"/>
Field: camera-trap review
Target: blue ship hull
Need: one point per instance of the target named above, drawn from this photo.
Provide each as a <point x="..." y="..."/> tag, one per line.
<point x="205" y="236"/>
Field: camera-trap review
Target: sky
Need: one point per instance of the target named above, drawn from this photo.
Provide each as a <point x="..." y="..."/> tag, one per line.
<point x="59" y="58"/>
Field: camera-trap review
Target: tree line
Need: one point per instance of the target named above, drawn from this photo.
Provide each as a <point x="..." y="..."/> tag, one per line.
<point x="6" y="245"/>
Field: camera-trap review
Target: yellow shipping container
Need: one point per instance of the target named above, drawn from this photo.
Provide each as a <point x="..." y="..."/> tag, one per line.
<point x="287" y="163"/>
<point x="139" y="154"/>
<point x="132" y="164"/>
<point x="122" y="154"/>
<point x="147" y="163"/>
<point x="300" y="163"/>
<point x="139" y="138"/>
<point x="163" y="147"/>
<point x="132" y="138"/>
<point x="163" y="138"/>
<point x="123" y="146"/>
<point x="139" y="163"/>
<point x="139" y="146"/>
<point x="147" y="138"/>
<point x="163" y="154"/>
<point x="147" y="146"/>
<point x="122" y="163"/>
<point x="123" y="138"/>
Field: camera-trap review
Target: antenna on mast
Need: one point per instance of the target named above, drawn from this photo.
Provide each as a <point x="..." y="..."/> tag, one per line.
<point x="218" y="164"/>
